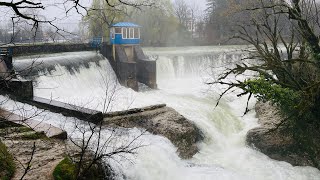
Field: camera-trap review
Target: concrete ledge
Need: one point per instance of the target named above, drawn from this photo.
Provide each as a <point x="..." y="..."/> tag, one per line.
<point x="67" y="109"/>
<point x="38" y="126"/>
<point x="133" y="111"/>
<point x="17" y="87"/>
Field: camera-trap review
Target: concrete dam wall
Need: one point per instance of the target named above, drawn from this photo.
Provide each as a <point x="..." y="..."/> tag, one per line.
<point x="31" y="49"/>
<point x="131" y="66"/>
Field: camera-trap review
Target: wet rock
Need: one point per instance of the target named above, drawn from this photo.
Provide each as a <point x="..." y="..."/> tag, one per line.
<point x="277" y="143"/>
<point x="160" y="120"/>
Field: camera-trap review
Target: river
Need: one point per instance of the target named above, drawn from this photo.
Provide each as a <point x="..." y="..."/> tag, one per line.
<point x="87" y="79"/>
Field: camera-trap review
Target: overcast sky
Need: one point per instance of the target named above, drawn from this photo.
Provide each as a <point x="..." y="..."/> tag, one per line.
<point x="56" y="10"/>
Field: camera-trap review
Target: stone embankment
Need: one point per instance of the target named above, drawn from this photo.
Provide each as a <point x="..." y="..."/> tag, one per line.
<point x="28" y="141"/>
<point x="276" y="143"/>
<point x="160" y="120"/>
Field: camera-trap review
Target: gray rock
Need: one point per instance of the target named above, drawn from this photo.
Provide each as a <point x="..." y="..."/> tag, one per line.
<point x="160" y="120"/>
<point x="276" y="143"/>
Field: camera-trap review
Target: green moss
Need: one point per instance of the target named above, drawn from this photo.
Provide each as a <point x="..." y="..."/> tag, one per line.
<point x="22" y="129"/>
<point x="5" y="124"/>
<point x="7" y="166"/>
<point x="65" y="170"/>
<point x="33" y="136"/>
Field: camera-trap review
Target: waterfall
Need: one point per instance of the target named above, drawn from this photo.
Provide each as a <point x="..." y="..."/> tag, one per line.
<point x="84" y="78"/>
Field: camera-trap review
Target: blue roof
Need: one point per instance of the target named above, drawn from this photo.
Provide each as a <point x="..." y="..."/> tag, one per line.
<point x="125" y="24"/>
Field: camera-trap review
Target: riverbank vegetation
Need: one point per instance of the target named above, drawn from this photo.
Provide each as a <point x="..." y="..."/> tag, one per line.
<point x="286" y="62"/>
<point x="7" y="166"/>
<point x="67" y="170"/>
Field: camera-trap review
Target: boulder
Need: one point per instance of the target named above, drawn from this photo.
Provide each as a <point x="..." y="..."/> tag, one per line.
<point x="160" y="120"/>
<point x="277" y="143"/>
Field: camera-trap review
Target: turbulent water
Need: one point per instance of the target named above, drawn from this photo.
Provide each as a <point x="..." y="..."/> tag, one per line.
<point x="181" y="77"/>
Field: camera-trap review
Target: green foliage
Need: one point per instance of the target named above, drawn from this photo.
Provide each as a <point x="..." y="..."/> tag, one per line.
<point x="101" y="16"/>
<point x="65" y="170"/>
<point x="266" y="90"/>
<point x="288" y="65"/>
<point x="7" y="166"/>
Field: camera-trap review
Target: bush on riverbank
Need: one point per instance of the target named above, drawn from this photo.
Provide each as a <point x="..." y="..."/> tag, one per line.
<point x="7" y="166"/>
<point x="67" y="170"/>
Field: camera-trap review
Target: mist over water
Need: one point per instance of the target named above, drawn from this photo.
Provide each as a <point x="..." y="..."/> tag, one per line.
<point x="181" y="77"/>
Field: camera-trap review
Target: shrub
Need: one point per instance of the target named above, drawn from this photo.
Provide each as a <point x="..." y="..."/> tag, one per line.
<point x="65" y="170"/>
<point x="7" y="166"/>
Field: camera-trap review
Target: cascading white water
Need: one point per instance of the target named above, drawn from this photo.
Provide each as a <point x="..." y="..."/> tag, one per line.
<point x="181" y="74"/>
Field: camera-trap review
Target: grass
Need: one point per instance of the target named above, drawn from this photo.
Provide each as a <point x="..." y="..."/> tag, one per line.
<point x="65" y="170"/>
<point x="7" y="166"/>
<point x="33" y="136"/>
<point x="22" y="129"/>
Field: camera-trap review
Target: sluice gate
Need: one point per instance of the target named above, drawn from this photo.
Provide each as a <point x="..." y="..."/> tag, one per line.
<point x="131" y="71"/>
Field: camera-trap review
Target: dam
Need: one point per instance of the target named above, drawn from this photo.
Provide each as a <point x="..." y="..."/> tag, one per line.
<point x="87" y="79"/>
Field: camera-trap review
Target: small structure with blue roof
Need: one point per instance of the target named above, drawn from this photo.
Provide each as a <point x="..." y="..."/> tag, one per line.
<point x="127" y="57"/>
<point x="125" y="33"/>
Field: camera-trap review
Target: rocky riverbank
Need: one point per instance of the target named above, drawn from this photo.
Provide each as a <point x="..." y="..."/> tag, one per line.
<point x="160" y="120"/>
<point x="33" y="148"/>
<point x="36" y="156"/>
<point x="277" y="143"/>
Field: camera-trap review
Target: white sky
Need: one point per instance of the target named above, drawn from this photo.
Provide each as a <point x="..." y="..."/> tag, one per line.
<point x="55" y="9"/>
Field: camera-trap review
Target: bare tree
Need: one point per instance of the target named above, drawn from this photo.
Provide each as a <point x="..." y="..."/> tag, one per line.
<point x="285" y="59"/>
<point x="182" y="12"/>
<point x="30" y="12"/>
<point x="95" y="143"/>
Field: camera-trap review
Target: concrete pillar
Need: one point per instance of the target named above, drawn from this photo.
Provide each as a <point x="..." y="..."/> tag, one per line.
<point x="19" y="88"/>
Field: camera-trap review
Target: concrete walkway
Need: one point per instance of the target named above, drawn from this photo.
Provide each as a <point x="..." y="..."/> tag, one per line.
<point x="38" y="126"/>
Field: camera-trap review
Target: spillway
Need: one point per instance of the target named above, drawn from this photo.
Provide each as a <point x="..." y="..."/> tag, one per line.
<point x="87" y="79"/>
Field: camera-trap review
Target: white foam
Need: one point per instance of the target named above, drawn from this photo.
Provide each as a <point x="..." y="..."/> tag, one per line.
<point x="223" y="153"/>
